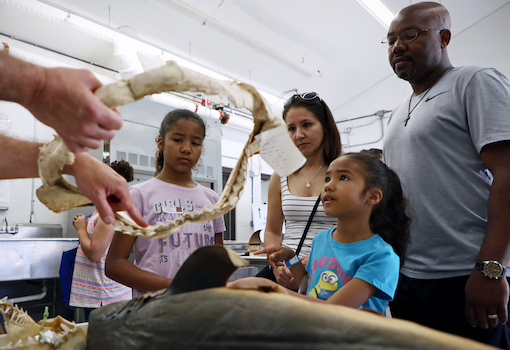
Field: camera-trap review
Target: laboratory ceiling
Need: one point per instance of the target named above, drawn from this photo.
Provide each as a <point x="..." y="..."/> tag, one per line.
<point x="280" y="46"/>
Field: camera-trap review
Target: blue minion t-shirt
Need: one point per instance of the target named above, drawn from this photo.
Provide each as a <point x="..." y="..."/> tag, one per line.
<point x="333" y="264"/>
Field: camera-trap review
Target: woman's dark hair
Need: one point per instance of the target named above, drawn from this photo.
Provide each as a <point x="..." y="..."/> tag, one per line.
<point x="319" y="108"/>
<point x="124" y="169"/>
<point x="170" y="119"/>
<point x="389" y="218"/>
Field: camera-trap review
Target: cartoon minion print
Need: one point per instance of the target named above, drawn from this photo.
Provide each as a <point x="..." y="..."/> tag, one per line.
<point x="327" y="285"/>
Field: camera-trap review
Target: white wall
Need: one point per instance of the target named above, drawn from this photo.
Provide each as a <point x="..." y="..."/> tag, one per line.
<point x="485" y="43"/>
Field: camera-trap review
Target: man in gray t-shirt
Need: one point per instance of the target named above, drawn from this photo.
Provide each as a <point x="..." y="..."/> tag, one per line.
<point x="448" y="142"/>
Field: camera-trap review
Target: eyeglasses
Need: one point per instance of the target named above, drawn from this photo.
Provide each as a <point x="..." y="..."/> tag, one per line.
<point x="304" y="96"/>
<point x="406" y="36"/>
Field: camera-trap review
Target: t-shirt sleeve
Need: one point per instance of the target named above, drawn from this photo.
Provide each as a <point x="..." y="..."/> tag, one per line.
<point x="488" y="107"/>
<point x="381" y="270"/>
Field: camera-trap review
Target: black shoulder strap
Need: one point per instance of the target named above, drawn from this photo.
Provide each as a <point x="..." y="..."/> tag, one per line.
<point x="308" y="225"/>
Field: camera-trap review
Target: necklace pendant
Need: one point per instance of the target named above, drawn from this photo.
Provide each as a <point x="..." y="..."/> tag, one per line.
<point x="308" y="181"/>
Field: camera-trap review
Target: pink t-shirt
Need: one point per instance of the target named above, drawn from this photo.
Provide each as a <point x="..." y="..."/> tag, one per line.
<point x="159" y="201"/>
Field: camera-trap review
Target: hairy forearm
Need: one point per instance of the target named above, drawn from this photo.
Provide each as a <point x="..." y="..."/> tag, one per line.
<point x="19" y="158"/>
<point x="18" y="79"/>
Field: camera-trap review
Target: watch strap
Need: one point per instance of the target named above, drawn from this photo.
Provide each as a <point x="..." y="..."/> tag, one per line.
<point x="481" y="265"/>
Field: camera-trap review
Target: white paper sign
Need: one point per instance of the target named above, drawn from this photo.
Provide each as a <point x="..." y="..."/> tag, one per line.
<point x="278" y="150"/>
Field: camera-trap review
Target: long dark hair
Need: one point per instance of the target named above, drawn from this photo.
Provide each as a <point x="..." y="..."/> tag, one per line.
<point x="319" y="108"/>
<point x="389" y="218"/>
<point x="170" y="119"/>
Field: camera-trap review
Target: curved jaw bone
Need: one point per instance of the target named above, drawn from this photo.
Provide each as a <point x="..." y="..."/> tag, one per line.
<point x="59" y="196"/>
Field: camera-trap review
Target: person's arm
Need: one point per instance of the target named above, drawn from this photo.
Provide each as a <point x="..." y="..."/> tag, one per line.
<point x="353" y="294"/>
<point x="218" y="238"/>
<point x="485" y="296"/>
<point x="61" y="98"/>
<point x="283" y="254"/>
<point x="80" y="224"/>
<point x="120" y="269"/>
<point x="279" y="255"/>
<point x="298" y="271"/>
<point x="97" y="181"/>
<point x="94" y="247"/>
<point x="19" y="158"/>
<point x="275" y="218"/>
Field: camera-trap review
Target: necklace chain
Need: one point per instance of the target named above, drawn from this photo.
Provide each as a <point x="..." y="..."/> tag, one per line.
<point x="409" y="110"/>
<point x="308" y="181"/>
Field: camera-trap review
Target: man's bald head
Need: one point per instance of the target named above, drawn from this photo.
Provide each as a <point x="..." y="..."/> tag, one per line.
<point x="437" y="15"/>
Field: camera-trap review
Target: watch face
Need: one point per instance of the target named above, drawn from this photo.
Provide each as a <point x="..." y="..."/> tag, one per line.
<point x="493" y="268"/>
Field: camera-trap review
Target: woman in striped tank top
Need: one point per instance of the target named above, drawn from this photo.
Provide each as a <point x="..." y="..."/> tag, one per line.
<point x="91" y="288"/>
<point x="313" y="129"/>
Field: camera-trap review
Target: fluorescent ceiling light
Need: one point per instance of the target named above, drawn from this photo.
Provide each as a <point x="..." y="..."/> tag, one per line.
<point x="52" y="13"/>
<point x="378" y="10"/>
<point x="108" y="34"/>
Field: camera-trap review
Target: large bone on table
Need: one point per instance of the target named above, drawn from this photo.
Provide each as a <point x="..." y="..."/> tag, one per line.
<point x="58" y="195"/>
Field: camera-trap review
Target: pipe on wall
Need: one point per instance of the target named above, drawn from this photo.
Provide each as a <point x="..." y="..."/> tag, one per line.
<point x="380" y="115"/>
<point x="27" y="298"/>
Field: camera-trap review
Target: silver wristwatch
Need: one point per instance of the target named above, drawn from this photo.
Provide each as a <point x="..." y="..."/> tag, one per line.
<point x="491" y="268"/>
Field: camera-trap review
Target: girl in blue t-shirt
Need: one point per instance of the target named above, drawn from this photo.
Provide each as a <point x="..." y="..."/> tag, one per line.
<point x="357" y="263"/>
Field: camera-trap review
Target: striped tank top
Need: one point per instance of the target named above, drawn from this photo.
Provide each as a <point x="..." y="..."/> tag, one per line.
<point x="90" y="287"/>
<point x="296" y="211"/>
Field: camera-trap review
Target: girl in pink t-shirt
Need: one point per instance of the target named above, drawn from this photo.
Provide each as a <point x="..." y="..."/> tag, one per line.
<point x="169" y="195"/>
